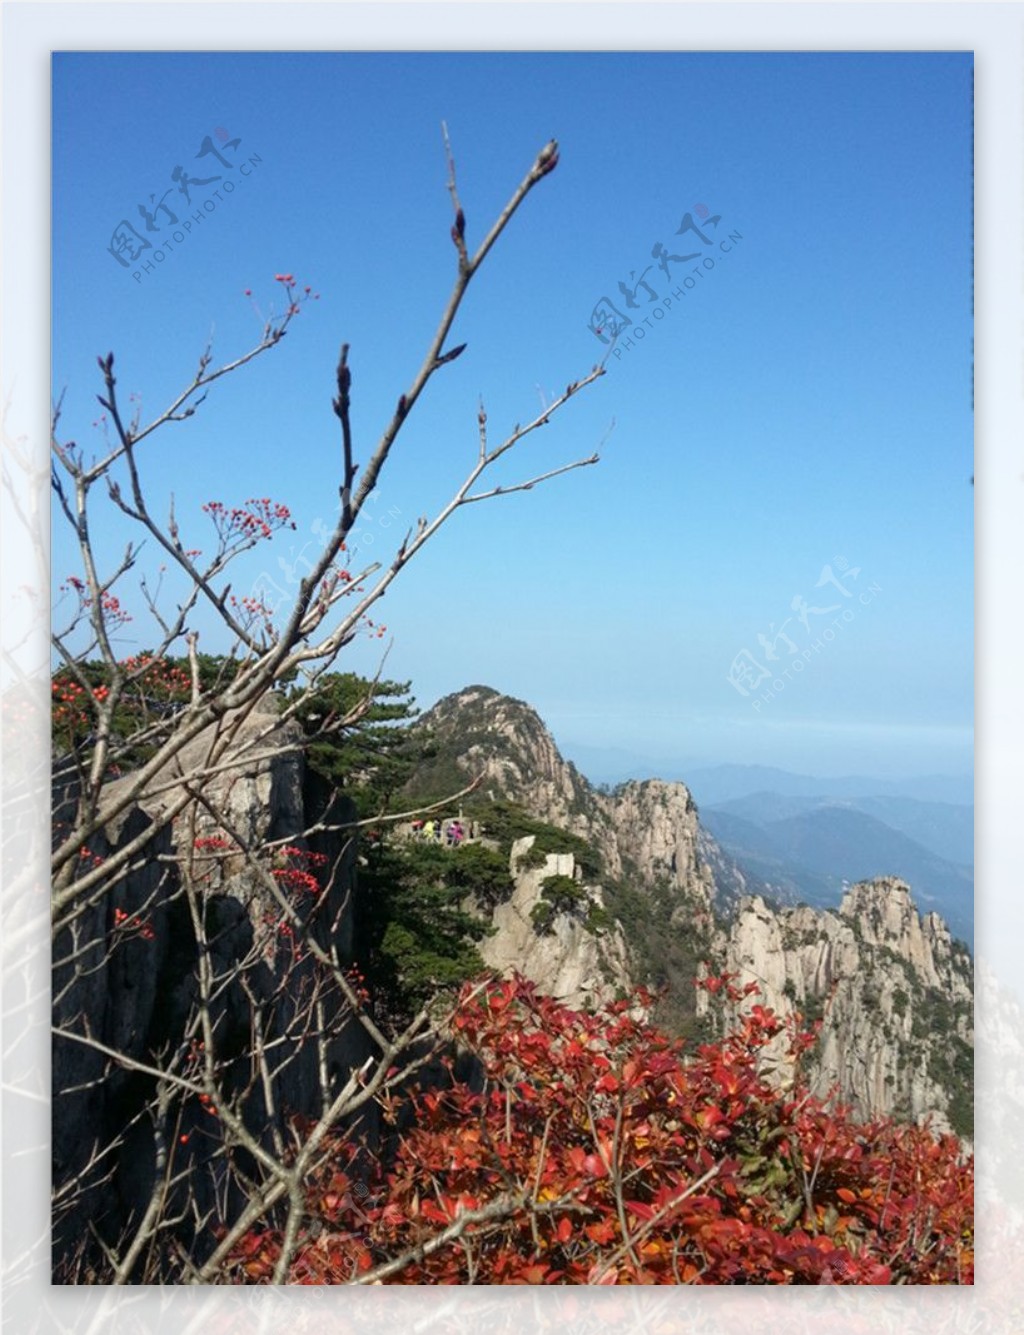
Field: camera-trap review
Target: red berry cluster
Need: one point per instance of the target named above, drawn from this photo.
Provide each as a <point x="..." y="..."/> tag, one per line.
<point x="114" y="613"/>
<point x="252" y="608"/>
<point x="303" y="854"/>
<point x="68" y="704"/>
<point x="257" y="517"/>
<point x="286" y="933"/>
<point x="294" y="879"/>
<point x="298" y="879"/>
<point x="212" y="843"/>
<point x="160" y="677"/>
<point x="133" y="924"/>
<point x="289" y="284"/>
<point x="357" y="979"/>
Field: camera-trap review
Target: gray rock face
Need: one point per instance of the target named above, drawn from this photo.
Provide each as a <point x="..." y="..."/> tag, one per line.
<point x="506" y="744"/>
<point x="111" y="995"/>
<point x="135" y="990"/>
<point x="577" y="962"/>
<point x="894" y="991"/>
<point x="657" y="836"/>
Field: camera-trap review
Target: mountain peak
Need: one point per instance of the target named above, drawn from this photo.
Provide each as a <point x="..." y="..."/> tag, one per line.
<point x="478" y="732"/>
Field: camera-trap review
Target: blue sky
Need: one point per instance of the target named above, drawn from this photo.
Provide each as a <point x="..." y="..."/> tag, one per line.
<point x="805" y="405"/>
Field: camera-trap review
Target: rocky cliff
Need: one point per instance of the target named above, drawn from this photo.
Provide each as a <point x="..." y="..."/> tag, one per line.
<point x="125" y="972"/>
<point x="648" y="829"/>
<point x="565" y="942"/>
<point x="894" y="990"/>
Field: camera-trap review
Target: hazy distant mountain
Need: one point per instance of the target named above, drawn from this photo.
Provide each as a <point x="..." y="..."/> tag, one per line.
<point x="725" y="783"/>
<point x="941" y="827"/>
<point x="813" y="852"/>
<point x="765" y="859"/>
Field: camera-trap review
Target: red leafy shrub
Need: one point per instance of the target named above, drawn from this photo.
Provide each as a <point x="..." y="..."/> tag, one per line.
<point x="591" y="1149"/>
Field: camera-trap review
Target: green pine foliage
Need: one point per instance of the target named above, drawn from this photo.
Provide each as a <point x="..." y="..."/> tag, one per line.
<point x="417" y="936"/>
<point x="558" y="895"/>
<point x="371" y="759"/>
<point x="668" y="948"/>
<point x="415" y="920"/>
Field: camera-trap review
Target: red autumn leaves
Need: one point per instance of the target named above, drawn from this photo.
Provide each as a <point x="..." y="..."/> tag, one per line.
<point x="591" y="1149"/>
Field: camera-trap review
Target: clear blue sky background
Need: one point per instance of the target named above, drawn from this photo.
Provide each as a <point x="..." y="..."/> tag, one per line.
<point x="808" y="400"/>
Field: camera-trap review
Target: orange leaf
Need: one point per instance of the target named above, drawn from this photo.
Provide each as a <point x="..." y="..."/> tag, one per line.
<point x="601" y="1232"/>
<point x="534" y="1274"/>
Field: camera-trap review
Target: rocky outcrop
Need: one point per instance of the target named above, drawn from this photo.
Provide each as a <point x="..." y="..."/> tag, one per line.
<point x="656" y="836"/>
<point x="125" y="973"/>
<point x="885" y="917"/>
<point x="478" y="733"/>
<point x="647" y="830"/>
<point x="571" y="951"/>
<point x="893" y="990"/>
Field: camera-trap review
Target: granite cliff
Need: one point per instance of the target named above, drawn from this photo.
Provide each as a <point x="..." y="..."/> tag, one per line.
<point x="894" y="991"/>
<point x="125" y="972"/>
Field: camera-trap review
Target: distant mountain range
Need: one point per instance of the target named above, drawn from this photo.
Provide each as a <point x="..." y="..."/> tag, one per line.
<point x="713" y="785"/>
<point x="808" y="849"/>
<point x="945" y="829"/>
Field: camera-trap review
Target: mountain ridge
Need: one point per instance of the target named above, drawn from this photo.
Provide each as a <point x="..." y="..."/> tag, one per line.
<point x="902" y="996"/>
<point x="943" y="828"/>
